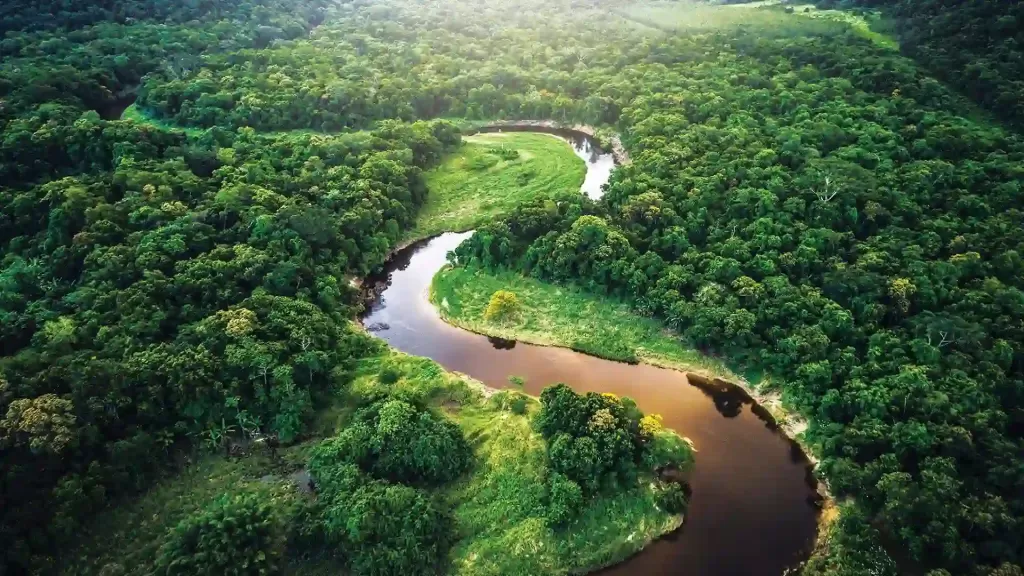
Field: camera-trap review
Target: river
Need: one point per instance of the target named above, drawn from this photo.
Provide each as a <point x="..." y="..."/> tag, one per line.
<point x="752" y="508"/>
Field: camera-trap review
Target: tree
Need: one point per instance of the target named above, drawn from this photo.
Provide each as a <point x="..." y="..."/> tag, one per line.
<point x="235" y="534"/>
<point x="503" y="306"/>
<point x="45" y="424"/>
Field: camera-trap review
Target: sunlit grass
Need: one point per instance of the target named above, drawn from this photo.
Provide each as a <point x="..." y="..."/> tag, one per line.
<point x="567" y="317"/>
<point x="860" y="23"/>
<point x="474" y="185"/>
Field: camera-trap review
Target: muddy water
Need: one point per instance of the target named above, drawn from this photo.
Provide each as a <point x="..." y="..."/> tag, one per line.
<point x="752" y="509"/>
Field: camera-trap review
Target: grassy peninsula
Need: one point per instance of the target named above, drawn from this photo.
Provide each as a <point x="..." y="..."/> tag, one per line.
<point x="564" y="316"/>
<point x="492" y="173"/>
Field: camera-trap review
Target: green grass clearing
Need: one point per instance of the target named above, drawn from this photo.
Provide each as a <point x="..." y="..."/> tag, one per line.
<point x="567" y="317"/>
<point x="493" y="173"/>
<point x="496" y="507"/>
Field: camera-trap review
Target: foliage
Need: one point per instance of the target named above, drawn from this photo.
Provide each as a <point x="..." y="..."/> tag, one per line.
<point x="394" y="440"/>
<point x="976" y="46"/>
<point x="565" y="499"/>
<point x="594" y="440"/>
<point x="157" y="287"/>
<point x="671" y="498"/>
<point x="236" y="534"/>
<point x="502" y="307"/>
<point x="815" y="206"/>
<point x="564" y="316"/>
<point x="800" y="200"/>
<point x="378" y="527"/>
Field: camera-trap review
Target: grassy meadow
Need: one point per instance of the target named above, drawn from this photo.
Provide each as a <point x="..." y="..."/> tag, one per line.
<point x="491" y="174"/>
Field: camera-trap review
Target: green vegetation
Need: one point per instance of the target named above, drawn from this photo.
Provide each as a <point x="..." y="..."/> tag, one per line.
<point x="490" y="175"/>
<point x="801" y="199"/>
<point x="499" y="518"/>
<point x="564" y="316"/>
<point x="975" y="46"/>
<point x="233" y="535"/>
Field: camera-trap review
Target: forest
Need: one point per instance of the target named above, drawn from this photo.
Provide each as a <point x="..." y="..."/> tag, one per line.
<point x="975" y="46"/>
<point x="801" y="201"/>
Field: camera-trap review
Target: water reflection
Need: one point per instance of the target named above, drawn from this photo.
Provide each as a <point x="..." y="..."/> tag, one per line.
<point x="501" y="343"/>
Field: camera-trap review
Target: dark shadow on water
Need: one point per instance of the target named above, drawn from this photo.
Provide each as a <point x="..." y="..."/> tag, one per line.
<point x="729" y="399"/>
<point x="501" y="343"/>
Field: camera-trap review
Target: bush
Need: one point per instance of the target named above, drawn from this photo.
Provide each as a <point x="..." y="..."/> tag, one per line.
<point x="235" y="535"/>
<point x="395" y="440"/>
<point x="388" y="375"/>
<point x="667" y="449"/>
<point x="565" y="500"/>
<point x="518" y="404"/>
<point x="481" y="163"/>
<point x="593" y="439"/>
<point x="383" y="528"/>
<point x="504" y="305"/>
<point x="671" y="498"/>
<point x="504" y="153"/>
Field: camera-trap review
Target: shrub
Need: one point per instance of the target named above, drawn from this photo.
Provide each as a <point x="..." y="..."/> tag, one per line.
<point x="504" y="305"/>
<point x="481" y="163"/>
<point x="593" y="439"/>
<point x="236" y="535"/>
<point x="384" y="528"/>
<point x="518" y="404"/>
<point x="388" y="375"/>
<point x="671" y="498"/>
<point x="504" y="153"/>
<point x="565" y="500"/>
<point x="395" y="440"/>
<point x="667" y="449"/>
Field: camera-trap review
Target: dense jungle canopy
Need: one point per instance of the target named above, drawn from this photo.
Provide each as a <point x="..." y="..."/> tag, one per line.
<point x="802" y="200"/>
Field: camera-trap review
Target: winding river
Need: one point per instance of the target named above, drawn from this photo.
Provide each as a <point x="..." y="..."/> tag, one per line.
<point x="752" y="509"/>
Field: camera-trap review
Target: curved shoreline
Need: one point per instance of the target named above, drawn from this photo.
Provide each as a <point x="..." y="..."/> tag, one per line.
<point x="766" y="405"/>
<point x="618" y="151"/>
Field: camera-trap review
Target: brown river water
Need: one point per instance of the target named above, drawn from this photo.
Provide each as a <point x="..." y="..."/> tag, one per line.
<point x="752" y="510"/>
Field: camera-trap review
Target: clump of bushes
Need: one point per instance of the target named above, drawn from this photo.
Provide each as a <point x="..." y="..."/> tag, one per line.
<point x="372" y="513"/>
<point x="564" y="499"/>
<point x="397" y="441"/>
<point x="482" y="162"/>
<point x="236" y="534"/>
<point x="671" y="498"/>
<point x="598" y="441"/>
<point x="384" y="528"/>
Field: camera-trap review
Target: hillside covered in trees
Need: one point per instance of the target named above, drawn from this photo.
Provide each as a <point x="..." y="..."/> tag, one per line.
<point x="801" y="201"/>
<point x="975" y="46"/>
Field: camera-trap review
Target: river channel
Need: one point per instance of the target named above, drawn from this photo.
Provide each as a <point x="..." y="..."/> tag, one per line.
<point x="752" y="510"/>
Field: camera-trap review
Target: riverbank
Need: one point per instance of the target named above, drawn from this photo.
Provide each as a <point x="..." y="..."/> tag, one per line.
<point x="605" y="137"/>
<point x="497" y="508"/>
<point x="568" y="317"/>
